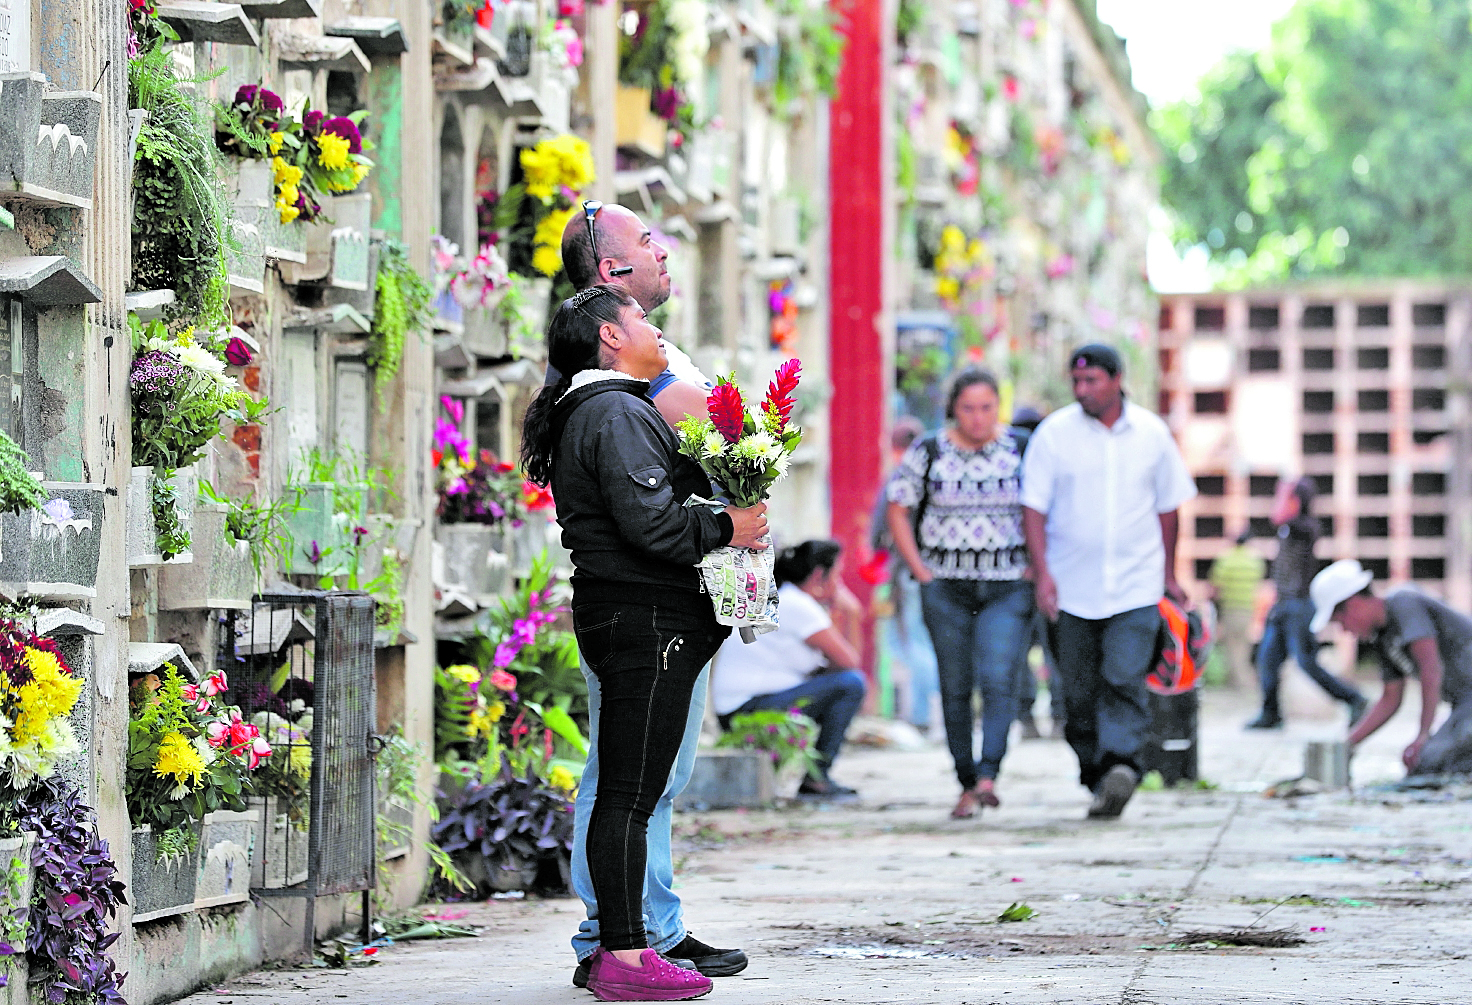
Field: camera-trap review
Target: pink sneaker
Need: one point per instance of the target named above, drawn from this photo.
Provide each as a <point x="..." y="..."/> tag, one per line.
<point x="658" y="980"/>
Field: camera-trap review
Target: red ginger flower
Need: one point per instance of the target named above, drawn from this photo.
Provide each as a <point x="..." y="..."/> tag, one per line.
<point x="779" y="401"/>
<point x="727" y="411"/>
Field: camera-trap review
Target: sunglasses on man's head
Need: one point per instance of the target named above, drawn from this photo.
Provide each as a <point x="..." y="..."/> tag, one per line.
<point x="590" y="210"/>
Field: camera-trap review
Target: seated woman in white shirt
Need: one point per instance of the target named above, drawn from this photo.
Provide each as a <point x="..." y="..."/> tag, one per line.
<point x="805" y="661"/>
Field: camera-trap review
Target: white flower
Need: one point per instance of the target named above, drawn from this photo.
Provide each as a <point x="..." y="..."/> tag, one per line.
<point x="202" y="747"/>
<point x="199" y="360"/>
<point x="783" y="464"/>
<point x="714" y="445"/>
<point x="758" y="447"/>
<point x="297" y="706"/>
<point x="689" y="44"/>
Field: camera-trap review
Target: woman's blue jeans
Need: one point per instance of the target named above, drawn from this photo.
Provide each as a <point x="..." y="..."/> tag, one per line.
<point x="977" y="627"/>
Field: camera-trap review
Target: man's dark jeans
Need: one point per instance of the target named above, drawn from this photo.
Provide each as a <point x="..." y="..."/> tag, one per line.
<point x="1287" y="631"/>
<point x="977" y="626"/>
<point x="1102" y="666"/>
<point x="646" y="660"/>
<point x="829" y="699"/>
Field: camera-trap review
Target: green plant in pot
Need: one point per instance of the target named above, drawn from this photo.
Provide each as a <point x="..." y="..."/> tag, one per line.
<point x="181" y="395"/>
<point x="261" y="525"/>
<point x="180" y="210"/>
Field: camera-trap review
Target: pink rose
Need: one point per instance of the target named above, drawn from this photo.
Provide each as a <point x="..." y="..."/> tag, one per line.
<point x="502" y="680"/>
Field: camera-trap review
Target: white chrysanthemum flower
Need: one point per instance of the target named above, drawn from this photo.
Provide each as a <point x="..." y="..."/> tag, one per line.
<point x="204" y="750"/>
<point x="200" y="360"/>
<point x="759" y="446"/>
<point x="714" y="445"/>
<point x="784" y="463"/>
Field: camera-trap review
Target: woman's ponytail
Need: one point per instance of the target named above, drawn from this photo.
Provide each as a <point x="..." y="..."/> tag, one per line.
<point x="536" y="432"/>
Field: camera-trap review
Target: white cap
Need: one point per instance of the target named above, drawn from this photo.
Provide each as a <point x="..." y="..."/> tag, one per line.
<point x="1335" y="584"/>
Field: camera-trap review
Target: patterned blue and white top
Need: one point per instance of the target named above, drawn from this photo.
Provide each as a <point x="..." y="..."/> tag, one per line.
<point x="971" y="527"/>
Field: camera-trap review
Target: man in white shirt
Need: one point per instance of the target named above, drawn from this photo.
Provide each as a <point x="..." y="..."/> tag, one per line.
<point x="1101" y="484"/>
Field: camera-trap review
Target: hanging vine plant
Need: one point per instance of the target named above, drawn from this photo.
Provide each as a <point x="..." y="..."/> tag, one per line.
<point x="401" y="305"/>
<point x="179" y="209"/>
<point x="809" y="53"/>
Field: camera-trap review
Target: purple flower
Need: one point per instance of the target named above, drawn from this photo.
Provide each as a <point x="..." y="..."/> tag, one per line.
<point x="155" y="372"/>
<point x="506" y="654"/>
<point x="358" y="534"/>
<point x="237" y="353"/>
<point x="667" y="103"/>
<point x="312" y="120"/>
<point x="271" y="101"/>
<point x="314" y="553"/>
<point x="348" y="130"/>
<point x="246" y="94"/>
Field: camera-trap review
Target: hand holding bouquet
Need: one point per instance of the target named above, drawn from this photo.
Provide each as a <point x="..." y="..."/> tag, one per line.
<point x="744" y="456"/>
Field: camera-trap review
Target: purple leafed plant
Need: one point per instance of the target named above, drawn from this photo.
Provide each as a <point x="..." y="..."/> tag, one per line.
<point x="511" y="823"/>
<point x="77" y="893"/>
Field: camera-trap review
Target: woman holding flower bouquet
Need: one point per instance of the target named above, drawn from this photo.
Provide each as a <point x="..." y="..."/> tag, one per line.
<point x="956" y="517"/>
<point x="643" y="624"/>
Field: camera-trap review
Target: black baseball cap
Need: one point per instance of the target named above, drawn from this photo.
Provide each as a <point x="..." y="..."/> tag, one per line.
<point x="1097" y="354"/>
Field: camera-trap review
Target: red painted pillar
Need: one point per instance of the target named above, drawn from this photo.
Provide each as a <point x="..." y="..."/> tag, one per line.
<point x="859" y="350"/>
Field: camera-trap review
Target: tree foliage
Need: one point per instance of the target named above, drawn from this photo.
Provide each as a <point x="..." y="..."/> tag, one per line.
<point x="1343" y="148"/>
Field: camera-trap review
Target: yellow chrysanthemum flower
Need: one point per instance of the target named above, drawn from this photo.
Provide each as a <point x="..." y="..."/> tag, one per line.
<point x="284" y="173"/>
<point x="287" y="213"/>
<point x="177" y="759"/>
<point x="274" y="146"/>
<point x="51" y="694"/>
<point x="546" y="260"/>
<point x="561" y="161"/>
<point x="947" y="287"/>
<point x="464" y="673"/>
<point x="495" y="710"/>
<point x="561" y="778"/>
<point x="332" y="151"/>
<point x="360" y="171"/>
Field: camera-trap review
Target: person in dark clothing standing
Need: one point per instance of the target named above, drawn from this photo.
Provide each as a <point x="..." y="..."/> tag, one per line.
<point x="643" y="624"/>
<point x="1286" y="630"/>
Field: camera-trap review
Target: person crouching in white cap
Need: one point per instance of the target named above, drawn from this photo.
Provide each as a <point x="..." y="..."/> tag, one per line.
<point x="1416" y="635"/>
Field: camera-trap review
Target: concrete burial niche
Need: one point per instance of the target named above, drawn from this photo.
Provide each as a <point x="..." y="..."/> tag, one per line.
<point x="221" y="576"/>
<point x="142" y="537"/>
<point x="48" y="140"/>
<point x="228" y="848"/>
<point x="15" y="852"/>
<point x="161" y="887"/>
<point x="52" y="553"/>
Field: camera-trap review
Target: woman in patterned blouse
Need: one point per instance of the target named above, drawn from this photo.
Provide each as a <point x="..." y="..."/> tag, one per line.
<point x="957" y="492"/>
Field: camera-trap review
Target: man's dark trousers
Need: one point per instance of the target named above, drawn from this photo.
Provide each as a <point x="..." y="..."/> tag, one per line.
<point x="1102" y="665"/>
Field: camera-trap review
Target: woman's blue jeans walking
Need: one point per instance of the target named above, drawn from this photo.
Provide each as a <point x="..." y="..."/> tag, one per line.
<point x="977" y="627"/>
<point x="664" y="920"/>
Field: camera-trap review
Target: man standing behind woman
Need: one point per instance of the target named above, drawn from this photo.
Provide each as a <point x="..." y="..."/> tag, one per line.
<point x="956" y="518"/>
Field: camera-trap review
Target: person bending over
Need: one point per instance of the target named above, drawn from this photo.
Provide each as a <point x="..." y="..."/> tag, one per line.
<point x="805" y="663"/>
<point x="643" y="624"/>
<point x="1415" y="635"/>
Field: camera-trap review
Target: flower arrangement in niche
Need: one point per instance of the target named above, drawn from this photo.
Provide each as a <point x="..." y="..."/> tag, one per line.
<point x="251" y="125"/>
<point x="189" y="754"/>
<point x="566" y="45"/>
<point x="484" y="281"/>
<point x="180" y="396"/>
<point x="963" y="268"/>
<point x="37" y="693"/>
<point x="516" y="700"/>
<point x="744" y="456"/>
<point x="484" y="490"/>
<point x="532" y="214"/>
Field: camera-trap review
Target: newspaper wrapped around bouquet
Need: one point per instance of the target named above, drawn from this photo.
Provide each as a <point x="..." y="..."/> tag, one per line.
<point x="744" y="456"/>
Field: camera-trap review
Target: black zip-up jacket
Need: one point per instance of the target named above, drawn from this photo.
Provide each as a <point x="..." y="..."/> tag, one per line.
<point x="619" y="480"/>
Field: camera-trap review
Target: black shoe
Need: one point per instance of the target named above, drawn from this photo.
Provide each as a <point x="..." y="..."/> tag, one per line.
<point x="1114" y="791"/>
<point x="824" y="788"/>
<point x="1357" y="706"/>
<point x="585" y="968"/>
<point x="1268" y="721"/>
<point x="708" y="960"/>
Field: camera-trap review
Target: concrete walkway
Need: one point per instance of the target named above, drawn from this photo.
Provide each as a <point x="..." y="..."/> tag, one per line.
<point x="889" y="901"/>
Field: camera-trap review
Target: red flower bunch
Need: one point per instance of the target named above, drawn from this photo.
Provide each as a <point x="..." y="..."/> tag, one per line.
<point x="778" y="404"/>
<point x="727" y="411"/>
